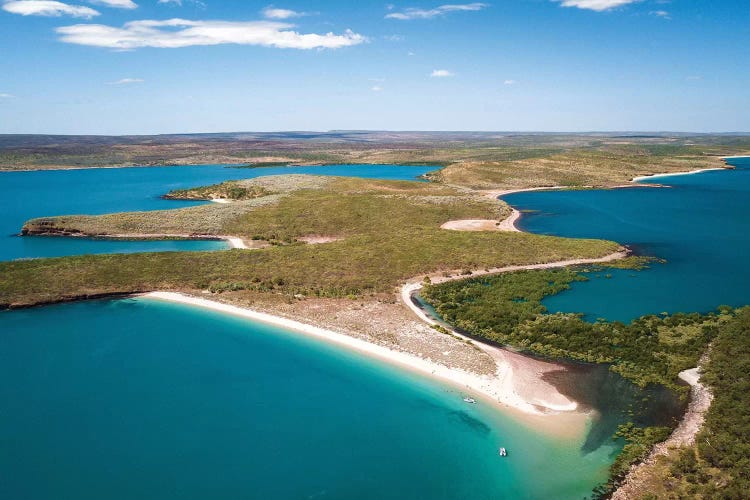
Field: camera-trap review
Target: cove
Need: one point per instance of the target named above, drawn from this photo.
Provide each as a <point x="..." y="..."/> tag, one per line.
<point x="139" y="398"/>
<point x="42" y="193"/>
<point x="698" y="224"/>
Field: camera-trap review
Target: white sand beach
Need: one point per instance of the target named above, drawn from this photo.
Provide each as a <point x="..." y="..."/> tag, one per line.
<point x="545" y="408"/>
<point x="517" y="384"/>
<point x="674" y="174"/>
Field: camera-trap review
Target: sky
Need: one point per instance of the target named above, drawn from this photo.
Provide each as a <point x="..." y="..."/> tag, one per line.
<point x="179" y="66"/>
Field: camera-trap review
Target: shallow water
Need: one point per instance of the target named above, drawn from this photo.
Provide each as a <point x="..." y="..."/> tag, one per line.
<point x="26" y="195"/>
<point x="699" y="225"/>
<point x="137" y="398"/>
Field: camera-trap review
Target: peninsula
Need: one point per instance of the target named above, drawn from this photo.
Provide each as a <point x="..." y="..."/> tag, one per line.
<point x="339" y="258"/>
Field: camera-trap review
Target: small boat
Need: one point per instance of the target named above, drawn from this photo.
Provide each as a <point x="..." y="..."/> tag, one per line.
<point x="503" y="452"/>
<point x="470" y="400"/>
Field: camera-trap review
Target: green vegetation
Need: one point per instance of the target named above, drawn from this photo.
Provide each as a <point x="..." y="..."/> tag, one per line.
<point x="389" y="231"/>
<point x="230" y="190"/>
<point x="639" y="443"/>
<point x="507" y="309"/>
<point x="718" y="465"/>
<point x="651" y="350"/>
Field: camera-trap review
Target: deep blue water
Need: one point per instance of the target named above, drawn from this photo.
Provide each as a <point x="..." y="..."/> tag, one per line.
<point x="700" y="225"/>
<point x="142" y="399"/>
<point x="26" y="195"/>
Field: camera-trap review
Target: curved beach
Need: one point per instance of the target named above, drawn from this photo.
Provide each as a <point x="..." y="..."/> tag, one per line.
<point x="516" y="385"/>
<point x="517" y="388"/>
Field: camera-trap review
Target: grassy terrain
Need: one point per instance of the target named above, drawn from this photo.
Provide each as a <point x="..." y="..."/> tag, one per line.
<point x="390" y="232"/>
<point x="602" y="166"/>
<point x="200" y="220"/>
<point x="210" y="219"/>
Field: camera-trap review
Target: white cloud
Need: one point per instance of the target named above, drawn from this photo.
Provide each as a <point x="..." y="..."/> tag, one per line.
<point x="376" y="88"/>
<point x="126" y="81"/>
<point x="118" y="4"/>
<point x="198" y="3"/>
<point x="48" y="8"/>
<point x="510" y="82"/>
<point x="441" y="73"/>
<point x="175" y="33"/>
<point x="414" y="13"/>
<point x="597" y="5"/>
<point x="272" y="12"/>
<point x="3" y="95"/>
<point x="661" y="13"/>
<point x="694" y="78"/>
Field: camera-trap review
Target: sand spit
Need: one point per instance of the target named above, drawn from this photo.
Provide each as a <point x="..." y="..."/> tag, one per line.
<point x="526" y="391"/>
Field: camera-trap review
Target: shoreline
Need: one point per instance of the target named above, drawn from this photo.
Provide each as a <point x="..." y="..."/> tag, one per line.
<point x="640" y="178"/>
<point x="509" y="223"/>
<point x="60" y="168"/>
<point x="700" y="395"/>
<point x="682" y="436"/>
<point x="542" y="398"/>
<point x="234" y="242"/>
<point x="562" y="421"/>
<point x="245" y="165"/>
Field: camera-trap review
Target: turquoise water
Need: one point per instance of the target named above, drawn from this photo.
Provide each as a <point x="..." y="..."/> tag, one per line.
<point x="137" y="398"/>
<point x="142" y="399"/>
<point x="26" y="195"/>
<point x="699" y="225"/>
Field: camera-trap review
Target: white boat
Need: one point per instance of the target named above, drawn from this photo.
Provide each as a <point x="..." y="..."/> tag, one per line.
<point x="503" y="452"/>
<point x="470" y="400"/>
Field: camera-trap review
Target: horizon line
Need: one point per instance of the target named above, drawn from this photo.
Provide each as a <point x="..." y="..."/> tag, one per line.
<point x="392" y="131"/>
